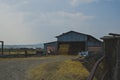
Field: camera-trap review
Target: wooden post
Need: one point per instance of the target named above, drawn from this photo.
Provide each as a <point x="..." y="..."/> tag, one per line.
<point x="2" y="47"/>
<point x="9" y="51"/>
<point x="26" y="54"/>
<point x="112" y="52"/>
<point x="2" y="43"/>
<point x="112" y="58"/>
<point x="117" y="67"/>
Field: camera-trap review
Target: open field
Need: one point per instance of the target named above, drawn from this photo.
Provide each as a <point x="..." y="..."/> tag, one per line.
<point x="52" y="67"/>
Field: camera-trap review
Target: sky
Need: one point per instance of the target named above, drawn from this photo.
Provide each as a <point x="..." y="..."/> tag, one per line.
<point x="39" y="21"/>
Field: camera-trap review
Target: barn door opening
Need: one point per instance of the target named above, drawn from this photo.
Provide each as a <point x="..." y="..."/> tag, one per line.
<point x="72" y="48"/>
<point x="76" y="47"/>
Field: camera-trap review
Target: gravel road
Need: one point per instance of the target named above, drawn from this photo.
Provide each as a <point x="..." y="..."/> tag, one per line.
<point x="15" y="69"/>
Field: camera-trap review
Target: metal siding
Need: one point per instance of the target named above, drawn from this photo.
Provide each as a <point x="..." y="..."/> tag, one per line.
<point x="72" y="37"/>
<point x="93" y="42"/>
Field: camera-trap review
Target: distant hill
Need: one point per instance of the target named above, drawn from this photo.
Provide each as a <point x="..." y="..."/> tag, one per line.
<point x="24" y="46"/>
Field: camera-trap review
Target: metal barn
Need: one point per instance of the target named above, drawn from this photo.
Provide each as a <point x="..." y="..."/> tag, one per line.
<point x="73" y="42"/>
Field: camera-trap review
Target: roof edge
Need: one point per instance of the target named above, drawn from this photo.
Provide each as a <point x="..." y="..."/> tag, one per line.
<point x="71" y="31"/>
<point x="78" y="33"/>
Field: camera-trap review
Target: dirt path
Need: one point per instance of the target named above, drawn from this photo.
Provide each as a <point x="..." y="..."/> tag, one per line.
<point x="15" y="69"/>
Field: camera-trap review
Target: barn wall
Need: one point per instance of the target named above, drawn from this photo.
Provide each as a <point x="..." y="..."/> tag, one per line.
<point x="72" y="37"/>
<point x="95" y="49"/>
<point x="92" y="42"/>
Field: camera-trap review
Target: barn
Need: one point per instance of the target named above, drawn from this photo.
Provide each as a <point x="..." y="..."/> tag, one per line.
<point x="73" y="42"/>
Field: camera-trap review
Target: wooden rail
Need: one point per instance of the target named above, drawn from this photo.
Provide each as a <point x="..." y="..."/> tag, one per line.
<point x="92" y="74"/>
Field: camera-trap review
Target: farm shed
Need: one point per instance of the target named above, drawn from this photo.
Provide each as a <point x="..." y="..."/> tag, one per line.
<point x="51" y="46"/>
<point x="73" y="42"/>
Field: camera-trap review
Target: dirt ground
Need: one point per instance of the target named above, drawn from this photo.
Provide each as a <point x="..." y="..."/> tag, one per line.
<point x="16" y="69"/>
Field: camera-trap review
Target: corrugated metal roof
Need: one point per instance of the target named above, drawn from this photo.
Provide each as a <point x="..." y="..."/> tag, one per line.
<point x="77" y="33"/>
<point x="71" y="32"/>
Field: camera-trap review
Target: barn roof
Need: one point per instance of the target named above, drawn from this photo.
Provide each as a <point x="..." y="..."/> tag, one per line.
<point x="51" y="42"/>
<point x="70" y="32"/>
<point x="78" y="34"/>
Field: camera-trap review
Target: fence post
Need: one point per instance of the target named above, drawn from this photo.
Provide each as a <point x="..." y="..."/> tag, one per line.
<point x="2" y="43"/>
<point x="112" y="52"/>
<point x="26" y="53"/>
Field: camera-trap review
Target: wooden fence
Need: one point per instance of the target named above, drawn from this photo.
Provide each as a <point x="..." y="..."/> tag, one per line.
<point x="108" y="67"/>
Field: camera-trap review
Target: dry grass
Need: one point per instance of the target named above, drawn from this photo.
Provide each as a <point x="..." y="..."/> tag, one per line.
<point x="56" y="58"/>
<point x="30" y="58"/>
<point x="67" y="70"/>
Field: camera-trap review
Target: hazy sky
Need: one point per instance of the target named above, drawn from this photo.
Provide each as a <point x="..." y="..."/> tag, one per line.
<point x="39" y="21"/>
